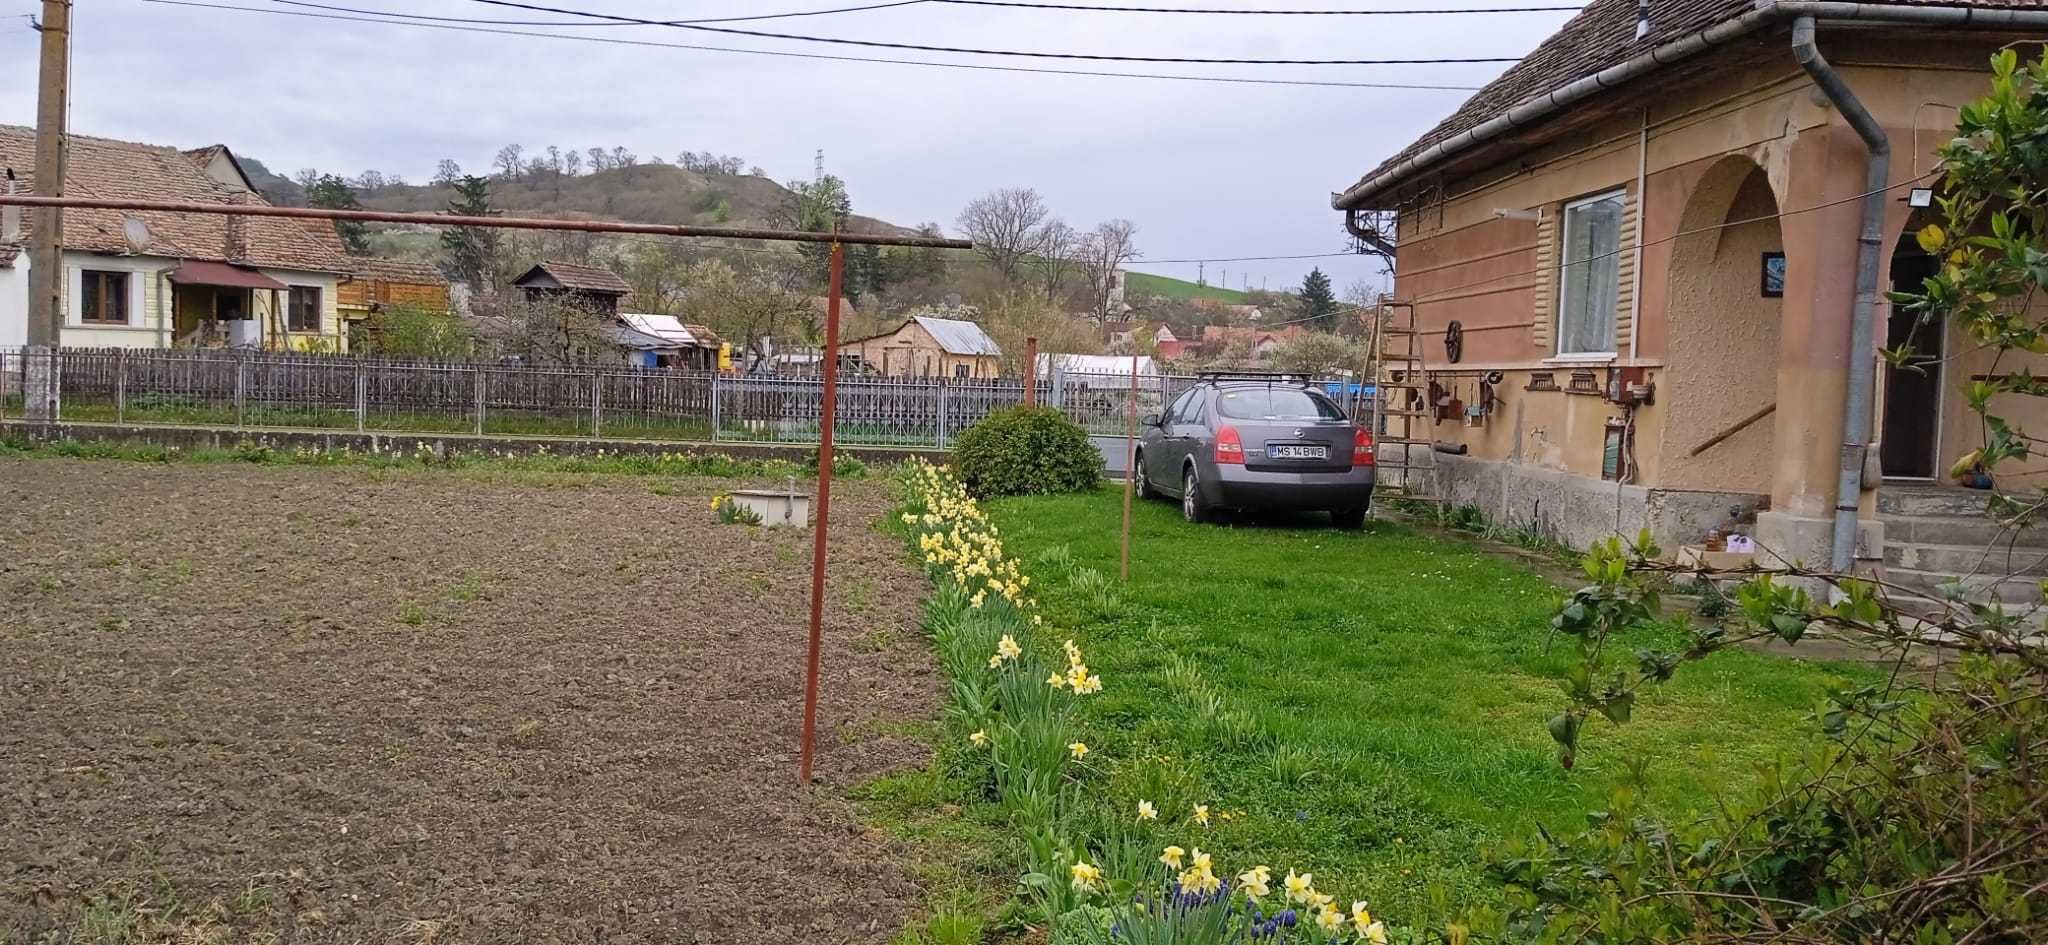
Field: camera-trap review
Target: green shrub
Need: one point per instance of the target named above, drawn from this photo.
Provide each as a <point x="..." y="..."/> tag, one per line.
<point x="1026" y="451"/>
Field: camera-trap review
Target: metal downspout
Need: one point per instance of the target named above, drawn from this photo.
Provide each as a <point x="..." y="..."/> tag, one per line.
<point x="1859" y="391"/>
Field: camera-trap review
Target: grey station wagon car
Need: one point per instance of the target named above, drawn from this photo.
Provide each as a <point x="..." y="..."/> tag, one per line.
<point x="1256" y="443"/>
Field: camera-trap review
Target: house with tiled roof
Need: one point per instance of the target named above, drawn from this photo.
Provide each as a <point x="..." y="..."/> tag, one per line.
<point x="161" y="280"/>
<point x="592" y="287"/>
<point x="1638" y="260"/>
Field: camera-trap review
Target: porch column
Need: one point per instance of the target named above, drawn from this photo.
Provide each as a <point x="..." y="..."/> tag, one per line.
<point x="1825" y="168"/>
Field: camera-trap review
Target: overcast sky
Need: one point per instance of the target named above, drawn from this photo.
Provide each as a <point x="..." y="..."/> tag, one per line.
<point x="1206" y="170"/>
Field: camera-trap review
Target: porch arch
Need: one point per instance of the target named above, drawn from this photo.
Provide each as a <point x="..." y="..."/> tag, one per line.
<point x="1722" y="360"/>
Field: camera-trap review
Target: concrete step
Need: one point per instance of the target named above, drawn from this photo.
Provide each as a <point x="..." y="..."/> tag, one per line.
<point x="1930" y="500"/>
<point x="1966" y="559"/>
<point x="1979" y="530"/>
<point x="2005" y="590"/>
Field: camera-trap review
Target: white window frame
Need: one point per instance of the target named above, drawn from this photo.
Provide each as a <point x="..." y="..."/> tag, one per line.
<point x="1564" y="242"/>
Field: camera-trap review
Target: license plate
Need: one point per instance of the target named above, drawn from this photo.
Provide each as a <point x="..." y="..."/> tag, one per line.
<point x="1299" y="452"/>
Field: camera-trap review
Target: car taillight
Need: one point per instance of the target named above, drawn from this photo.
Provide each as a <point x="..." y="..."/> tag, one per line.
<point x="1229" y="446"/>
<point x="1361" y="447"/>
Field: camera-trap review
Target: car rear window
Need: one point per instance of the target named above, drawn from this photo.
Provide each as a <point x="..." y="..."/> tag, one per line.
<point x="1276" y="403"/>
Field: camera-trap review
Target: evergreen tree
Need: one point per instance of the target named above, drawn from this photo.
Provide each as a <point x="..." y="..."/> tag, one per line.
<point x="471" y="249"/>
<point x="332" y="192"/>
<point x="1318" y="302"/>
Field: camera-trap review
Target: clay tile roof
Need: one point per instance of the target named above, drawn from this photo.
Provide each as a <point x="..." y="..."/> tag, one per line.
<point x="102" y="167"/>
<point x="580" y="277"/>
<point x="1603" y="35"/>
<point x="395" y="270"/>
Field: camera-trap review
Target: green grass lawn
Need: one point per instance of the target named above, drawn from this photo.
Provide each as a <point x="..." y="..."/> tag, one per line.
<point x="1372" y="702"/>
<point x="1139" y="284"/>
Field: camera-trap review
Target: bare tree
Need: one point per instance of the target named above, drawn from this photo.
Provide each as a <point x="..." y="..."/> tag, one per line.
<point x="554" y="329"/>
<point x="572" y="163"/>
<point x="1005" y="227"/>
<point x="621" y="157"/>
<point x="1102" y="255"/>
<point x="307" y="177"/>
<point x="510" y="162"/>
<point x="600" y="159"/>
<point x="447" y="172"/>
<point x="1057" y="245"/>
<point x="743" y="307"/>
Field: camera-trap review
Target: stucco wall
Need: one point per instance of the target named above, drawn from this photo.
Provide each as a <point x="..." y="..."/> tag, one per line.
<point x="1722" y="352"/>
<point x="1697" y="323"/>
<point x="146" y="295"/>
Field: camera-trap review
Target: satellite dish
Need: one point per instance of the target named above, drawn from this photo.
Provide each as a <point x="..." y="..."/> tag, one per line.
<point x="136" y="233"/>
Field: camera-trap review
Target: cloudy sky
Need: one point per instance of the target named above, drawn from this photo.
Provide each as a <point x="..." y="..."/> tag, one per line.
<point x="1206" y="169"/>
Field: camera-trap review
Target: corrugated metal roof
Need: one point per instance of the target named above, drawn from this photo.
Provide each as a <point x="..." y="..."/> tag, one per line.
<point x="958" y="337"/>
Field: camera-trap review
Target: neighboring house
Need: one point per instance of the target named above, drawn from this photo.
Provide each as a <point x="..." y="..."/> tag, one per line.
<point x="1258" y="342"/>
<point x="594" y="288"/>
<point x="160" y="280"/>
<point x="1166" y="345"/>
<point x="1646" y="232"/>
<point x="927" y="346"/>
<point x="694" y="347"/>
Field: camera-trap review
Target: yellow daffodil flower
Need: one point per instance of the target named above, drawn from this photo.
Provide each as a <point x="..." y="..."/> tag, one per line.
<point x="1329" y="920"/>
<point x="1078" y="749"/>
<point x="1375" y="933"/>
<point x="1146" y="811"/>
<point x="979" y="738"/>
<point x="1202" y="814"/>
<point x="1255" y="882"/>
<point x="1200" y="880"/>
<point x="1056" y="681"/>
<point x="1322" y="900"/>
<point x="1360" y="918"/>
<point x="1008" y="647"/>
<point x="1086" y="875"/>
<point x="1172" y="857"/>
<point x="975" y="601"/>
<point x="995" y="661"/>
<point x="1300" y="886"/>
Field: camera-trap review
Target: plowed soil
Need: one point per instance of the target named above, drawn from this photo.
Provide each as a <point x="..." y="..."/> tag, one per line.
<point x="334" y="705"/>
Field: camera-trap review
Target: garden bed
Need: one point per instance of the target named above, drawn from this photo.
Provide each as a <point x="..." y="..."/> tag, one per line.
<point x="366" y="705"/>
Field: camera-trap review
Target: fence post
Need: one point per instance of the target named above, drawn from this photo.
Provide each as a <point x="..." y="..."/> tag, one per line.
<point x="362" y="396"/>
<point x="714" y="408"/>
<point x="241" y="388"/>
<point x="120" y="385"/>
<point x="1057" y="395"/>
<point x="941" y="442"/>
<point x="596" y="401"/>
<point x="478" y="396"/>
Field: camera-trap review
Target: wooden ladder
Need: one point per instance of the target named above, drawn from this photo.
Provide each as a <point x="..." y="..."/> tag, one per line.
<point x="1400" y="404"/>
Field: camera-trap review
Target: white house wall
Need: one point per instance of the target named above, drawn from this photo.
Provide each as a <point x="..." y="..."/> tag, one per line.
<point x="14" y="304"/>
<point x="147" y="297"/>
<point x="149" y="308"/>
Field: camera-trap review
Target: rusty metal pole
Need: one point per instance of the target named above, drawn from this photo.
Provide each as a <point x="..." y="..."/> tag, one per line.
<point x="1030" y="372"/>
<point x="826" y="411"/>
<point x="1130" y="465"/>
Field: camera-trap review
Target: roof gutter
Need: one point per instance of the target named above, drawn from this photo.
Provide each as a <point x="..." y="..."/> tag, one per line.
<point x="1767" y="13"/>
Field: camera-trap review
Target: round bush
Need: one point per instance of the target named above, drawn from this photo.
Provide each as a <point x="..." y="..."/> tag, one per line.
<point x="1026" y="451"/>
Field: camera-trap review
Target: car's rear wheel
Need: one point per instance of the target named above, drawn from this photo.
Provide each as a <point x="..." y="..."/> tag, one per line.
<point x="1192" y="507"/>
<point x="1142" y="484"/>
<point x="1349" y="519"/>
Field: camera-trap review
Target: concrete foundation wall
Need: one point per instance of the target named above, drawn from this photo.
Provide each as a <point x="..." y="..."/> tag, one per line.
<point x="1579" y="511"/>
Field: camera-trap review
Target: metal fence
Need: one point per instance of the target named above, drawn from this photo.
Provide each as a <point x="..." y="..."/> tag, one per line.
<point x="219" y="387"/>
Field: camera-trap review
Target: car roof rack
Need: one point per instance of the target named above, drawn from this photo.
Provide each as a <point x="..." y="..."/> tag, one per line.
<point x="1270" y="377"/>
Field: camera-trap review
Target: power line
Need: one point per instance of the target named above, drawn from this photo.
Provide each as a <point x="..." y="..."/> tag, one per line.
<point x="1089" y="8"/>
<point x="720" y="19"/>
<point x="1211" y="259"/>
<point x="385" y="19"/>
<point x="976" y="51"/>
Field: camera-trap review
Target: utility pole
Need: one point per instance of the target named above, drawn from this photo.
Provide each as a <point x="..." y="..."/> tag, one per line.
<point x="46" y="247"/>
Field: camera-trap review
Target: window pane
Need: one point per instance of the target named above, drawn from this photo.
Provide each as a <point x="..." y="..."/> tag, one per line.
<point x="115" y="296"/>
<point x="1276" y="403"/>
<point x="1590" y="283"/>
<point x="89" y="296"/>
